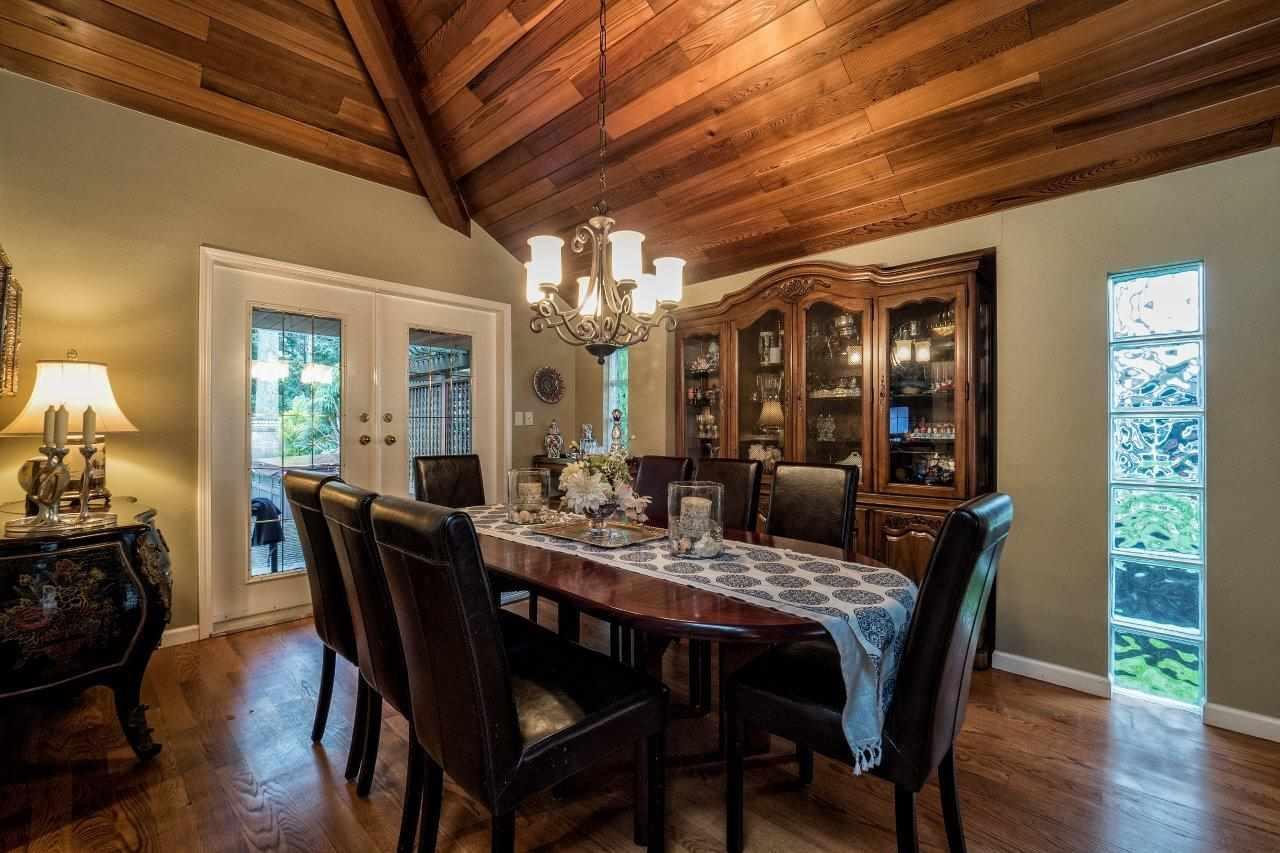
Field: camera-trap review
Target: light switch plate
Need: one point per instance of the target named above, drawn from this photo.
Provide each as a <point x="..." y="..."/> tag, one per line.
<point x="519" y="419"/>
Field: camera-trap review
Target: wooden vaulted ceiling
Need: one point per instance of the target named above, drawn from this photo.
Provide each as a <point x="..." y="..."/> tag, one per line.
<point x="743" y="132"/>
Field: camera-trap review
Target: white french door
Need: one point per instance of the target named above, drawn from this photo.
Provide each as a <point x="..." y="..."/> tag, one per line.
<point x="308" y="369"/>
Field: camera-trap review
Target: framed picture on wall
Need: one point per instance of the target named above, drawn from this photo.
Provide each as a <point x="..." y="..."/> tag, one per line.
<point x="10" y="327"/>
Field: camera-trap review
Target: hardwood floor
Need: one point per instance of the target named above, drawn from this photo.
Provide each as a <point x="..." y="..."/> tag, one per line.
<point x="1040" y="769"/>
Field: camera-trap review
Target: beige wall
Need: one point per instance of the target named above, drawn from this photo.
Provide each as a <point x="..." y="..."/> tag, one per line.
<point x="1053" y="259"/>
<point x="103" y="211"/>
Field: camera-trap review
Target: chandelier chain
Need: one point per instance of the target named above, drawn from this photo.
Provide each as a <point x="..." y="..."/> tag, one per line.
<point x="601" y="206"/>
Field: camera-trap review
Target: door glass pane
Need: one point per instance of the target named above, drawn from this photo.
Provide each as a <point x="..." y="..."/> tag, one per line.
<point x="702" y="395"/>
<point x="1156" y="521"/>
<point x="834" y="372"/>
<point x="439" y="395"/>
<point x="1163" y="595"/>
<point x="761" y="390"/>
<point x="1156" y="302"/>
<point x="922" y="393"/>
<point x="1156" y="376"/>
<point x="1162" y="450"/>
<point x="1159" y="666"/>
<point x="295" y="421"/>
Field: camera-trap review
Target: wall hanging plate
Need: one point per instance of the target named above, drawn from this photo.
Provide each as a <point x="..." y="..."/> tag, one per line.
<point x="548" y="384"/>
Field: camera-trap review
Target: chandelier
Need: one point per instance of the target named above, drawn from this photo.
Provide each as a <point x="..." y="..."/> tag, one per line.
<point x="618" y="303"/>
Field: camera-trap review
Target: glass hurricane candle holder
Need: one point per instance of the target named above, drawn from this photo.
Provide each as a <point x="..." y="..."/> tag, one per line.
<point x="528" y="490"/>
<point x="696" y="522"/>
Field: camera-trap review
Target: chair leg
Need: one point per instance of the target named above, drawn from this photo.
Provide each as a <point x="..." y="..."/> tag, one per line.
<point x="657" y="794"/>
<point x="733" y="781"/>
<point x="504" y="833"/>
<point x="327" y="665"/>
<point x="904" y="808"/>
<point x="533" y="607"/>
<point x="615" y="641"/>
<point x="358" y="726"/>
<point x="412" y="808"/>
<point x="951" y="802"/>
<point x="805" y="756"/>
<point x="432" y="795"/>
<point x="699" y="691"/>
<point x="372" y="734"/>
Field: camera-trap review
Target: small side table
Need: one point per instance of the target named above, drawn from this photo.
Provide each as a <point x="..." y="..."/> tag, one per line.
<point x="85" y="609"/>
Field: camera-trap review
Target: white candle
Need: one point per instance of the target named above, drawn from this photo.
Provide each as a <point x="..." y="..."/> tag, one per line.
<point x="695" y="507"/>
<point x="48" y="426"/>
<point x="60" y="419"/>
<point x="89" y="427"/>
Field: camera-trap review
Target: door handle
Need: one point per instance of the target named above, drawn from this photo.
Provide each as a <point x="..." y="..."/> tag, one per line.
<point x="389" y="440"/>
<point x="364" y="439"/>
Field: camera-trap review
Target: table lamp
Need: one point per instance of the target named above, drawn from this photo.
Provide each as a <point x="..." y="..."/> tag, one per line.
<point x="76" y="385"/>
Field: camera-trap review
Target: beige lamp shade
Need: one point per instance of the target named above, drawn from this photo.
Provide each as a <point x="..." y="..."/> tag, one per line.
<point x="771" y="415"/>
<point x="76" y="385"/>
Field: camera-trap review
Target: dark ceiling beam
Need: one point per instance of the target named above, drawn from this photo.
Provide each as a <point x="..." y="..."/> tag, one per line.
<point x="375" y="32"/>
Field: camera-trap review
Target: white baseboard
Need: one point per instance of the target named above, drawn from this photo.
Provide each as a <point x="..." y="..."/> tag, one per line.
<point x="180" y="636"/>
<point x="1245" y="722"/>
<point x="260" y="620"/>
<point x="1063" y="676"/>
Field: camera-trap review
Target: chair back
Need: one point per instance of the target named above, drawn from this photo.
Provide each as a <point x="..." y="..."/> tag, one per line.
<point x="813" y="503"/>
<point x="463" y="708"/>
<point x="653" y="477"/>
<point x="453" y="481"/>
<point x="741" y="481"/>
<point x="933" y="676"/>
<point x="346" y="509"/>
<point x="331" y="612"/>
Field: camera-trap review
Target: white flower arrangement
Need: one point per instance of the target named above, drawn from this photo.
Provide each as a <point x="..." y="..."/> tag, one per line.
<point x="584" y="491"/>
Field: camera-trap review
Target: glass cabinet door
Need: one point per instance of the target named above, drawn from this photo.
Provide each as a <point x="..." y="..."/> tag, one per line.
<point x="762" y="392"/>
<point x="835" y="367"/>
<point x="702" y="412"/>
<point x="923" y="392"/>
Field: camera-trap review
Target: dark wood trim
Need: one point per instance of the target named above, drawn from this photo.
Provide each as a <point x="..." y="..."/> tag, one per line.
<point x="375" y="31"/>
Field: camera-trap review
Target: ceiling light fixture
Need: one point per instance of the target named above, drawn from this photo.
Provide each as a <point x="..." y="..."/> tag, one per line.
<point x="618" y="302"/>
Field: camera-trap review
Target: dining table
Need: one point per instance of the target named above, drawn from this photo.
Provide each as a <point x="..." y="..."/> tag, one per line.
<point x="656" y="611"/>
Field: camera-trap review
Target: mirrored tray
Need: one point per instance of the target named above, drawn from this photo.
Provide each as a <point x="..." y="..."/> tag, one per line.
<point x="617" y="534"/>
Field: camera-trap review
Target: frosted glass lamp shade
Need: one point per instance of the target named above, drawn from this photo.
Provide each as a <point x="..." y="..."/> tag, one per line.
<point x="532" y="292"/>
<point x="670" y="278"/>
<point x="628" y="262"/>
<point x="545" y="260"/>
<point x="588" y="300"/>
<point x="644" y="299"/>
<point x="923" y="351"/>
<point x="76" y="385"/>
<point x="902" y="350"/>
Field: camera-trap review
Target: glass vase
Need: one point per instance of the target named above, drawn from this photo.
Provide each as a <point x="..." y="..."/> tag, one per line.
<point x="528" y="490"/>
<point x="696" y="523"/>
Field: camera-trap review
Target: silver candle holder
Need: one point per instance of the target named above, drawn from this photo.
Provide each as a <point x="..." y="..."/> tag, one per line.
<point x="88" y="519"/>
<point x="45" y="481"/>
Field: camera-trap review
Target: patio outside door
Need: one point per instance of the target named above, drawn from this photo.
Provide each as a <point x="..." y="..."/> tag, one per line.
<point x="343" y="380"/>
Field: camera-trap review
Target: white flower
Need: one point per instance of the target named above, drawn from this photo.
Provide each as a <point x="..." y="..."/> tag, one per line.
<point x="584" y="491"/>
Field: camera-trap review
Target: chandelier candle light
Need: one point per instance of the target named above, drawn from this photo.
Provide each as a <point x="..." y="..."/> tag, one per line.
<point x="618" y="302"/>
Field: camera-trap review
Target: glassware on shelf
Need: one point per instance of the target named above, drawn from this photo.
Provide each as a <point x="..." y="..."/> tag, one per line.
<point x="528" y="490"/>
<point x="696" y="521"/>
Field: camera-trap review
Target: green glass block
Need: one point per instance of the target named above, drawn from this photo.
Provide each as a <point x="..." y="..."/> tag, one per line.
<point x="1156" y="302"/>
<point x="1156" y="522"/>
<point x="1157" y="376"/>
<point x="1163" y="594"/>
<point x="1157" y="449"/>
<point x="1159" y="666"/>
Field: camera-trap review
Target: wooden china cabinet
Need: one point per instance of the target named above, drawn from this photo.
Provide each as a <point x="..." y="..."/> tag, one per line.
<point x="891" y="369"/>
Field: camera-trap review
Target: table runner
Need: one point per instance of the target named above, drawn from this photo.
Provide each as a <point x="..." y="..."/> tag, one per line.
<point x="866" y="610"/>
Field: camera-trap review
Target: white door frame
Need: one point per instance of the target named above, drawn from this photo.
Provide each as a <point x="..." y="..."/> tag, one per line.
<point x="213" y="259"/>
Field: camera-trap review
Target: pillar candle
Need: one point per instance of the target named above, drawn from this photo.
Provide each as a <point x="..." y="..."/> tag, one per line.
<point x="695" y="507"/>
<point x="60" y="427"/>
<point x="89" y="427"/>
<point x="49" y="417"/>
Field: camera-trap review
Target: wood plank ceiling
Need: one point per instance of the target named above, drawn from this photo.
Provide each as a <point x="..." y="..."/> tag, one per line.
<point x="743" y="132"/>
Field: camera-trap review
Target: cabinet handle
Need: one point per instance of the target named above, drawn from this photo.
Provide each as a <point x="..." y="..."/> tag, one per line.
<point x="884" y="387"/>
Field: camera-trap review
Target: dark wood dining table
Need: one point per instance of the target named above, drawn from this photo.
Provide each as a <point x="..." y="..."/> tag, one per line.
<point x="658" y="611"/>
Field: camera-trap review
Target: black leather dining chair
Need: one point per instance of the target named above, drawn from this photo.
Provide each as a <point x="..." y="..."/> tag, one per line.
<point x="796" y="690"/>
<point x="458" y="481"/>
<point x="813" y="503"/>
<point x="330" y="611"/>
<point x="506" y="708"/>
<point x="739" y="507"/>
<point x="652" y="478"/>
<point x="346" y="509"/>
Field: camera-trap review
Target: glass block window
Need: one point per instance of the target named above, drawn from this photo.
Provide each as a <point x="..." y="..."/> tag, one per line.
<point x="1157" y="402"/>
<point x="616" y="384"/>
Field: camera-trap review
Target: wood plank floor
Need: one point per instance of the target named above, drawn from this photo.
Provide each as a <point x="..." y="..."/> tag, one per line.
<point x="1040" y="769"/>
